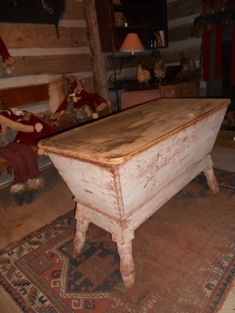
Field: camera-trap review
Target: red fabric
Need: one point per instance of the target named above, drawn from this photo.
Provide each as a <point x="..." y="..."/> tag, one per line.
<point x="34" y="137"/>
<point x="22" y="159"/>
<point x="205" y="54"/>
<point x="90" y="99"/>
<point x="64" y="103"/>
<point x="84" y="98"/>
<point x="29" y="137"/>
<point x="3" y="50"/>
<point x="9" y="114"/>
<point x="62" y="106"/>
<point x="233" y="59"/>
<point x="218" y="49"/>
<point x="206" y="51"/>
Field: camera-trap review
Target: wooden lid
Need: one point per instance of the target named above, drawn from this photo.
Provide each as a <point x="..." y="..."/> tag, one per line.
<point x="120" y="136"/>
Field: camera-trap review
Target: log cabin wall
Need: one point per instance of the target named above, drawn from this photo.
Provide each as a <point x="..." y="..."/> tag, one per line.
<point x="41" y="56"/>
<point x="181" y="15"/>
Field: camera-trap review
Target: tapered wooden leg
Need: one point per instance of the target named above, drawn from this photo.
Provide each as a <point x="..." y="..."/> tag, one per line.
<point x="127" y="266"/>
<point x="80" y="235"/>
<point x="210" y="176"/>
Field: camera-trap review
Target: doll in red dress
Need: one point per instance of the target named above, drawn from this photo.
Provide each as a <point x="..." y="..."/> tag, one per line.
<point x="21" y="152"/>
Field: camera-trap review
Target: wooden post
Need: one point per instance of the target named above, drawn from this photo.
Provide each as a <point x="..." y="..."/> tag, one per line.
<point x="98" y="62"/>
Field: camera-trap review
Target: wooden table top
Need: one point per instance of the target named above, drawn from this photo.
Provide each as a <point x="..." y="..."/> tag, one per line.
<point x="120" y="136"/>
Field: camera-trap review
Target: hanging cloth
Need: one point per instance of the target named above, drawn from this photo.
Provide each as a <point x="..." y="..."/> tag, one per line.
<point x="205" y="54"/>
<point x="218" y="49"/>
<point x="233" y="58"/>
<point x="8" y="61"/>
<point x="3" y="50"/>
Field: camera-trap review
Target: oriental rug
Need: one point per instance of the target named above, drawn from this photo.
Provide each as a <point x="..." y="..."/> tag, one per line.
<point x="184" y="257"/>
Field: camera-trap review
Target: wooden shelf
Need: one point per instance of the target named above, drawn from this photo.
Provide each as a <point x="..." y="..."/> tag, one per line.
<point x="144" y="18"/>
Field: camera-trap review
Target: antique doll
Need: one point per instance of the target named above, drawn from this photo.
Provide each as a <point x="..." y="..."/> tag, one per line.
<point x="20" y="150"/>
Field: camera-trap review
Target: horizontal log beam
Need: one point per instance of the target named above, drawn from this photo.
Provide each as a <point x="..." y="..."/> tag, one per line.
<point x="20" y="96"/>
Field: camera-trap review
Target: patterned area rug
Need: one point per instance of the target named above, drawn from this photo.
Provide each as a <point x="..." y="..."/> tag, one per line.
<point x="184" y="257"/>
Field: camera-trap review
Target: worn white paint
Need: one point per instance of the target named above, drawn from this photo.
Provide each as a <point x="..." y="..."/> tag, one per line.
<point x="124" y="168"/>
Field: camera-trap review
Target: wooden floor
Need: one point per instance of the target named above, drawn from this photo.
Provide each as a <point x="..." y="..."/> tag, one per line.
<point x="53" y="201"/>
<point x="224" y="159"/>
<point x="56" y="199"/>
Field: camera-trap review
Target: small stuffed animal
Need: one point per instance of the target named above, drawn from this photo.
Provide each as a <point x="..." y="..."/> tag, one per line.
<point x="160" y="70"/>
<point x="143" y="75"/>
<point x="188" y="67"/>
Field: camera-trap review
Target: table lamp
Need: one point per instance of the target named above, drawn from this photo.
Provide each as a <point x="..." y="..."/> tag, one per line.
<point x="132" y="44"/>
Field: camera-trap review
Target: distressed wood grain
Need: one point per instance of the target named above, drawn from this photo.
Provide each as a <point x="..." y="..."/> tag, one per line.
<point x="30" y="36"/>
<point x="123" y="168"/>
<point x="50" y="64"/>
<point x="19" y="96"/>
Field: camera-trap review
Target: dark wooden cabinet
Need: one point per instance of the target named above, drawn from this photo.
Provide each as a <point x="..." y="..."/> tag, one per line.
<point x="117" y="18"/>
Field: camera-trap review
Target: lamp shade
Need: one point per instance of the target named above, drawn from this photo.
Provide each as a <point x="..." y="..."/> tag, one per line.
<point x="132" y="44"/>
